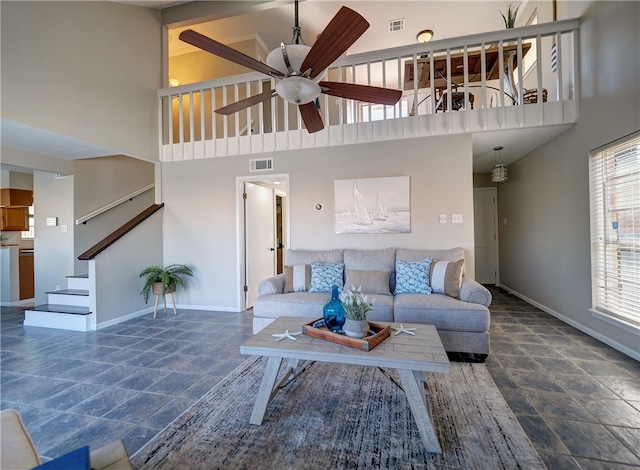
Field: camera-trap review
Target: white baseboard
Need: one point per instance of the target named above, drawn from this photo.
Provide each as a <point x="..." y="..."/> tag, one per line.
<point x="205" y="307"/>
<point x="18" y="303"/>
<point x="579" y="326"/>
<point x="129" y="316"/>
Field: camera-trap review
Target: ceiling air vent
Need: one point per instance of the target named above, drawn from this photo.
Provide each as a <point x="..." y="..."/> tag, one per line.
<point x="263" y="164"/>
<point x="396" y="25"/>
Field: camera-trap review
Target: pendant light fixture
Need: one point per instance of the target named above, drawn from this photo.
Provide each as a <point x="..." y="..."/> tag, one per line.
<point x="499" y="170"/>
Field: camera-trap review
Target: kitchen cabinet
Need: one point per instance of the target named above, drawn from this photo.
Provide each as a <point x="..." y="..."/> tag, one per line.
<point x="14" y="219"/>
<point x="16" y="197"/>
<point x="25" y="268"/>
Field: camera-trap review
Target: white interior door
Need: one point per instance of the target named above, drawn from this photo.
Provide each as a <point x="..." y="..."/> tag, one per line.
<point x="485" y="213"/>
<point x="260" y="254"/>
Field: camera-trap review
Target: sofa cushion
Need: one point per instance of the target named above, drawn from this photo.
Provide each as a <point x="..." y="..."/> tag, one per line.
<point x="413" y="277"/>
<point x="446" y="277"/>
<point x="452" y="254"/>
<point x="294" y="257"/>
<point x="326" y="275"/>
<point x="297" y="278"/>
<point x="442" y="311"/>
<point x="371" y="282"/>
<point x="370" y="260"/>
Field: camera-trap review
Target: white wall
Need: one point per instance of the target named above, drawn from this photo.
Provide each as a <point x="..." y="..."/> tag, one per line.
<point x="87" y="70"/>
<point x="53" y="257"/>
<point x="201" y="216"/>
<point x="117" y="272"/>
<point x="545" y="247"/>
<point x="99" y="182"/>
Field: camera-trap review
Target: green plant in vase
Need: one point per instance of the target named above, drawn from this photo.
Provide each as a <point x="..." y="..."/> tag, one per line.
<point x="162" y="281"/>
<point x="356" y="306"/>
<point x="510" y="19"/>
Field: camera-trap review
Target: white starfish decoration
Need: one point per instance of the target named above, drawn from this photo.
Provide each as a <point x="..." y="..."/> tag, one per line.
<point x="286" y="335"/>
<point x="402" y="329"/>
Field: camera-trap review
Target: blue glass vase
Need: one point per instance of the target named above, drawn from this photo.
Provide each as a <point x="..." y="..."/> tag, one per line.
<point x="333" y="312"/>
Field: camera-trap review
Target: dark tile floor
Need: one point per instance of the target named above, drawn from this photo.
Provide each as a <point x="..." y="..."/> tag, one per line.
<point x="577" y="399"/>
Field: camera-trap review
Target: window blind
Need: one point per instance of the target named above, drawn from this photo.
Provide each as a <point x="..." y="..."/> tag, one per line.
<point x="615" y="228"/>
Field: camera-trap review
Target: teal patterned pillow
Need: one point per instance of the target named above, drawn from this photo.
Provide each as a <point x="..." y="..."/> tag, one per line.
<point x="413" y="277"/>
<point x="326" y="275"/>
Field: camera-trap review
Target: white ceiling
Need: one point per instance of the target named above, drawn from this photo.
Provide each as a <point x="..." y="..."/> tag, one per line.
<point x="449" y="18"/>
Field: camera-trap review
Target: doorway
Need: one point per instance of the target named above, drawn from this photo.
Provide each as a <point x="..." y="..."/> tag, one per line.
<point x="485" y="215"/>
<point x="263" y="231"/>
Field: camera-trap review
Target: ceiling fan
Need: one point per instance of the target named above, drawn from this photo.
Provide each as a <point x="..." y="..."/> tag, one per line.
<point x="299" y="68"/>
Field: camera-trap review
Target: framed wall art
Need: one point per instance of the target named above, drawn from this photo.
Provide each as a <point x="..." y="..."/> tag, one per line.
<point x="373" y="205"/>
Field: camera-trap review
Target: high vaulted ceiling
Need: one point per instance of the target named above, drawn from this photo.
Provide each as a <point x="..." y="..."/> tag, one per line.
<point x="273" y="22"/>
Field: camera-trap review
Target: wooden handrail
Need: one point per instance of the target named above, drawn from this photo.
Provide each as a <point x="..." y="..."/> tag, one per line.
<point x="119" y="233"/>
<point x="91" y="215"/>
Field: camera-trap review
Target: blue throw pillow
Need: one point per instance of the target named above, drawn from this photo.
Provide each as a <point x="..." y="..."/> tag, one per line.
<point x="413" y="277"/>
<point x="326" y="275"/>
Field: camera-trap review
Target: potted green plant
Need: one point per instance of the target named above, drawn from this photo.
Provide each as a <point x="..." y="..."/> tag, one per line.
<point x="163" y="281"/>
<point x="355" y="306"/>
<point x="510" y="19"/>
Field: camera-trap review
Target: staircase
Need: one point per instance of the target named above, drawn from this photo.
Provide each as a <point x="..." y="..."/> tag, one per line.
<point x="66" y="309"/>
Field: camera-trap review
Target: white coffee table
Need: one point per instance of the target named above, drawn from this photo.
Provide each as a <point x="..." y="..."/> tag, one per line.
<point x="411" y="355"/>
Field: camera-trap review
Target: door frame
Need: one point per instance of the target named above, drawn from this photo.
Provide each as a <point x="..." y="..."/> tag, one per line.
<point x="496" y="227"/>
<point x="240" y="224"/>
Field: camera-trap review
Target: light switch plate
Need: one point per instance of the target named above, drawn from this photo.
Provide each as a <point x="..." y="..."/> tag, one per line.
<point x="443" y="218"/>
<point x="456" y="218"/>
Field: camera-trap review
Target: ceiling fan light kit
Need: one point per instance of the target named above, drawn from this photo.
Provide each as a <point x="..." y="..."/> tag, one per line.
<point x="298" y="90"/>
<point x="298" y="67"/>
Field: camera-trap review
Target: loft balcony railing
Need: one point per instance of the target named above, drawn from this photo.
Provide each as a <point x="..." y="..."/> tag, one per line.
<point x="514" y="78"/>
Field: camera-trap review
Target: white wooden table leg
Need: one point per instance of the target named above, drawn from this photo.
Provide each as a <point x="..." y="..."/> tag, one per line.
<point x="173" y="299"/>
<point x="415" y="396"/>
<point x="155" y="309"/>
<point x="266" y="387"/>
<point x="292" y="365"/>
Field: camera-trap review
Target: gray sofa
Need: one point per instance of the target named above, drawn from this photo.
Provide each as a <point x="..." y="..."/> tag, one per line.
<point x="462" y="321"/>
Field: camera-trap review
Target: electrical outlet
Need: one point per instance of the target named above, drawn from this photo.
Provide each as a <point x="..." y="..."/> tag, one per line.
<point x="456" y="218"/>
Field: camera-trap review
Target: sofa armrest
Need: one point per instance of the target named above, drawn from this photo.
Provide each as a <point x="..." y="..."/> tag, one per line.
<point x="272" y="285"/>
<point x="474" y="292"/>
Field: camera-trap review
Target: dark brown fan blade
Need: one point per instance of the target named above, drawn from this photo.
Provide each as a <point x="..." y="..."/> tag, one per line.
<point x="311" y="117"/>
<point x="370" y="94"/>
<point x="342" y="31"/>
<point x="245" y="103"/>
<point x="207" y="44"/>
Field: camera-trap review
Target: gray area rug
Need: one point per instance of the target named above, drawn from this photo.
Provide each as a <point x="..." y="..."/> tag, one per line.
<point x="338" y="416"/>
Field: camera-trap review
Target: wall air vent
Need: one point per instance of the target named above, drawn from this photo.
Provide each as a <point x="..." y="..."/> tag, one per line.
<point x="396" y="25"/>
<point x="263" y="164"/>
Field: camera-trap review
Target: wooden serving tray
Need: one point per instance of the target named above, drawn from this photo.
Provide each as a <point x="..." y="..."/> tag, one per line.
<point x="365" y="344"/>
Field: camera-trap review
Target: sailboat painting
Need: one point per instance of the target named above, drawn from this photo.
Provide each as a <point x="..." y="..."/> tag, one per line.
<point x="373" y="205"/>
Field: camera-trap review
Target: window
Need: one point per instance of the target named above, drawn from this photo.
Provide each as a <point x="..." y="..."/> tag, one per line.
<point x="30" y="234"/>
<point x="615" y="229"/>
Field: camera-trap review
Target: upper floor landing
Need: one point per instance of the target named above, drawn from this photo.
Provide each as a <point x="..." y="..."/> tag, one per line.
<point x="516" y="78"/>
